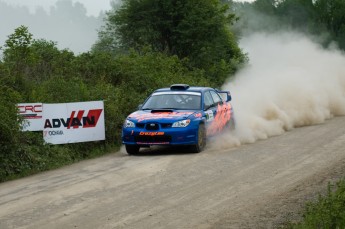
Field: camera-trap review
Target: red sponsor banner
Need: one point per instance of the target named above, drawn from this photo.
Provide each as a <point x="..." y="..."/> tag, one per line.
<point x="74" y="122"/>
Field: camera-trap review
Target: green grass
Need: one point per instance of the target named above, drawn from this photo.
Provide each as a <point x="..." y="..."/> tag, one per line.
<point x="327" y="212"/>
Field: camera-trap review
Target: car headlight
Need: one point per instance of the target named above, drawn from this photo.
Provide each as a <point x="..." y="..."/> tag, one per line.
<point x="128" y="124"/>
<point x="182" y="123"/>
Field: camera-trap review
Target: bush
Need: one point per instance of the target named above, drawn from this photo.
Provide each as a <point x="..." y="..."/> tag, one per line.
<point x="9" y="128"/>
<point x="328" y="211"/>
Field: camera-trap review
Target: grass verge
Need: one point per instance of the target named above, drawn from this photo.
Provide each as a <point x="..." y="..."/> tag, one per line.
<point x="327" y="212"/>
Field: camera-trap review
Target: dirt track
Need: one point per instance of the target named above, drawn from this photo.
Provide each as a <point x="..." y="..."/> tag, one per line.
<point x="253" y="186"/>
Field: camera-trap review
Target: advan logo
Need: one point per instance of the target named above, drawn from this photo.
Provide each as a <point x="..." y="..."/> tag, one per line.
<point x="76" y="120"/>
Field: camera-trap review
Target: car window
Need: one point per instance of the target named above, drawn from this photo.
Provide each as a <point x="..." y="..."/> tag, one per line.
<point x="216" y="97"/>
<point x="208" y="101"/>
<point x="178" y="101"/>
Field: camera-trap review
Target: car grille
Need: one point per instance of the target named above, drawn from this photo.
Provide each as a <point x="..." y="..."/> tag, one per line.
<point x="155" y="126"/>
<point x="156" y="139"/>
<point x="140" y="125"/>
<point x="152" y="126"/>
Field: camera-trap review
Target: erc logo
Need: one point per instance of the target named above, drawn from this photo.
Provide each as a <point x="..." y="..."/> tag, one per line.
<point x="30" y="111"/>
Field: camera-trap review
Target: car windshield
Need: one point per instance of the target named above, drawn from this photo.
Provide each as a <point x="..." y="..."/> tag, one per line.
<point x="174" y="101"/>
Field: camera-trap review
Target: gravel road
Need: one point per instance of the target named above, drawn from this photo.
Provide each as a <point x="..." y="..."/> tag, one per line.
<point x="257" y="185"/>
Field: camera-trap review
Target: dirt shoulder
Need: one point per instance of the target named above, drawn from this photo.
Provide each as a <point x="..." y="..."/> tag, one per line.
<point x="279" y="209"/>
<point x="258" y="185"/>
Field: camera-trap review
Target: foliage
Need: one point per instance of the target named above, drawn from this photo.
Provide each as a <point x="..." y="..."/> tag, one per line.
<point x="331" y="15"/>
<point x="328" y="211"/>
<point x="9" y="126"/>
<point x="195" y="30"/>
<point x="48" y="60"/>
<point x="17" y="45"/>
<point x="323" y="18"/>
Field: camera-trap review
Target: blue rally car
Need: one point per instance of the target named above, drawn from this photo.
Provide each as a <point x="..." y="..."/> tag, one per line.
<point x="179" y="115"/>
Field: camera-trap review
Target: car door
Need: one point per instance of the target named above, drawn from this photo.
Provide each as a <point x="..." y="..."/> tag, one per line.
<point x="210" y="110"/>
<point x="217" y="114"/>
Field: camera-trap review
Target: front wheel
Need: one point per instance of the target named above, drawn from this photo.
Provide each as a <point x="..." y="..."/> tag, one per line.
<point x="132" y="149"/>
<point x="197" y="148"/>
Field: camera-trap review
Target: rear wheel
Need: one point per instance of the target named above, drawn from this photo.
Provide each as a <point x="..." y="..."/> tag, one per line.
<point x="201" y="139"/>
<point x="132" y="149"/>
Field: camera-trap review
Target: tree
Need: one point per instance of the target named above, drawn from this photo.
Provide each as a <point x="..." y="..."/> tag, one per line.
<point x="17" y="48"/>
<point x="331" y="14"/>
<point x="267" y="6"/>
<point x="297" y="13"/>
<point x="192" y="29"/>
<point x="17" y="56"/>
<point x="313" y="17"/>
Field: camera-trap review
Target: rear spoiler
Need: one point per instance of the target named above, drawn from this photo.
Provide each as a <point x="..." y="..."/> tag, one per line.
<point x="225" y="95"/>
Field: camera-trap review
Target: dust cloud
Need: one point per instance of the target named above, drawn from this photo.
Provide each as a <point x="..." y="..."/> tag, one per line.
<point x="290" y="82"/>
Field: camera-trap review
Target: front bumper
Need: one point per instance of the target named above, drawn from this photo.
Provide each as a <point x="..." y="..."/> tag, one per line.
<point x="169" y="136"/>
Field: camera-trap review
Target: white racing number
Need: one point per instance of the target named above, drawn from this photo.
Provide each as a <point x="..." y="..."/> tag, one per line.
<point x="209" y="116"/>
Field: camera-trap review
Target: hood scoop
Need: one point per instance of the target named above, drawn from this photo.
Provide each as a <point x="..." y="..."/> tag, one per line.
<point x="162" y="110"/>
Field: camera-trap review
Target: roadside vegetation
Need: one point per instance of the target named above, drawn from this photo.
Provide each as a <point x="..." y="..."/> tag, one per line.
<point x="327" y="212"/>
<point x="324" y="20"/>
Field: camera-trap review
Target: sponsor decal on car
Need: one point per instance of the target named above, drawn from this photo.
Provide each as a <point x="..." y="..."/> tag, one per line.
<point x="151" y="133"/>
<point x="198" y="115"/>
<point x="154" y="116"/>
<point x="221" y="118"/>
<point x="209" y="116"/>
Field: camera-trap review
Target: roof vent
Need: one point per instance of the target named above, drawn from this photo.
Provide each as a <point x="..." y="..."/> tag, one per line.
<point x="179" y="87"/>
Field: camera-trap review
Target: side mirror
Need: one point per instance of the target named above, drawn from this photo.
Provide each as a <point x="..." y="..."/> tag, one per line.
<point x="140" y="106"/>
<point x="228" y="97"/>
<point x="225" y="95"/>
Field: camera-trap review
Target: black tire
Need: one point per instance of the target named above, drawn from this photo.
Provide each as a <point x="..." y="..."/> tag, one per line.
<point x="132" y="149"/>
<point x="197" y="148"/>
